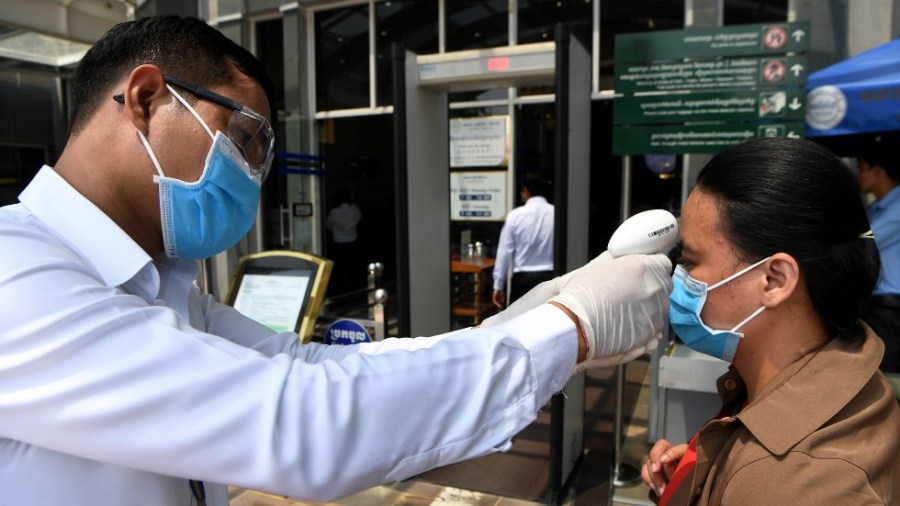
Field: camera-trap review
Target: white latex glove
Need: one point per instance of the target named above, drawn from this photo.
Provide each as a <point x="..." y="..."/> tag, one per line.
<point x="623" y="305"/>
<point x="541" y="294"/>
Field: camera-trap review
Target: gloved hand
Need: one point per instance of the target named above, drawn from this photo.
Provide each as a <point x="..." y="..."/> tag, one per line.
<point x="541" y="293"/>
<point x="623" y="305"/>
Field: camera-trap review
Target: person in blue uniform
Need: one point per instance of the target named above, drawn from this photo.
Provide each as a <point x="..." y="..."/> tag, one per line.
<point x="879" y="175"/>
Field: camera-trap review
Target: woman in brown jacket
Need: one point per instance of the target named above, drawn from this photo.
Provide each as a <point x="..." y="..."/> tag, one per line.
<point x="777" y="251"/>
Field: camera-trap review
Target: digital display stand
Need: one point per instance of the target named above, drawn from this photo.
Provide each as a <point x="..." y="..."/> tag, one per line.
<point x="283" y="290"/>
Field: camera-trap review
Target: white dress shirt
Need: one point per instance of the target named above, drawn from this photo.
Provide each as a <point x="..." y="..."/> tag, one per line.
<point x="119" y="380"/>
<point x="526" y="241"/>
<point x="342" y="221"/>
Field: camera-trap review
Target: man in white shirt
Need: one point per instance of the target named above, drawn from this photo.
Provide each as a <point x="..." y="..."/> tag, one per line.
<point x="343" y="218"/>
<point x="526" y="243"/>
<point x="120" y="383"/>
<point x="341" y="221"/>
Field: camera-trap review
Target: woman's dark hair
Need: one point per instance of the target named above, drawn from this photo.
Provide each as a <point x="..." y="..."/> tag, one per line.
<point x="186" y="48"/>
<point x="794" y="196"/>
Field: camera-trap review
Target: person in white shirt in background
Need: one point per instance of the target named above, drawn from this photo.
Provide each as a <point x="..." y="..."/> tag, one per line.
<point x="122" y="383"/>
<point x="526" y="243"/>
<point x="342" y="249"/>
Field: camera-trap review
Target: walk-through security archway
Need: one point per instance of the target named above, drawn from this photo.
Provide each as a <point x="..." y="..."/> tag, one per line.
<point x="421" y="87"/>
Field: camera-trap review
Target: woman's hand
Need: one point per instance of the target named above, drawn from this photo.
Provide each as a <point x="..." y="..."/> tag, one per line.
<point x="661" y="464"/>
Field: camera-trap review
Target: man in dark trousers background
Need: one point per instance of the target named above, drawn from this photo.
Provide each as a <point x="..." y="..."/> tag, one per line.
<point x="526" y="242"/>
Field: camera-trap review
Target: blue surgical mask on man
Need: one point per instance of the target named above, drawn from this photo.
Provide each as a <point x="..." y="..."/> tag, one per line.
<point x="210" y="215"/>
<point x="686" y="303"/>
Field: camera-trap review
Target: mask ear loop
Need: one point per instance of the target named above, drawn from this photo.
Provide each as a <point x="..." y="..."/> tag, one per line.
<point x="153" y="159"/>
<point x="191" y="109"/>
<point x="747" y="320"/>
<point x="742" y="271"/>
<point x="729" y="278"/>
<point x="146" y="144"/>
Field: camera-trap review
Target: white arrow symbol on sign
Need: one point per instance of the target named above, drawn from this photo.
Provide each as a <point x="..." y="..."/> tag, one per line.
<point x="795" y="104"/>
<point x="798" y="35"/>
<point x="796" y="69"/>
<point x="792" y="135"/>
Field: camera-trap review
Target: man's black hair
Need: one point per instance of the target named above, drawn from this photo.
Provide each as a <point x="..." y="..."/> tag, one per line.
<point x="186" y="48"/>
<point x="535" y="183"/>
<point x="342" y="196"/>
<point x="881" y="153"/>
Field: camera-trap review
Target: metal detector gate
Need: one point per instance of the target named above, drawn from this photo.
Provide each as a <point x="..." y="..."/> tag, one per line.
<point x="421" y="136"/>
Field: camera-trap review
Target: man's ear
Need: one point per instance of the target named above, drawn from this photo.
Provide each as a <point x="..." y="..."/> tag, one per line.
<point x="782" y="276"/>
<point x="144" y="88"/>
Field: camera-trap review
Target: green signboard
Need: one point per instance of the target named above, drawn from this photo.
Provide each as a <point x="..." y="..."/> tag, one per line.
<point x="721" y="74"/>
<point x="718" y="106"/>
<point x="734" y="40"/>
<point x="682" y="139"/>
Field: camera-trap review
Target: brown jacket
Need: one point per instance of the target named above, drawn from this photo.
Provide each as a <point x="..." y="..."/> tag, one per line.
<point x="825" y="431"/>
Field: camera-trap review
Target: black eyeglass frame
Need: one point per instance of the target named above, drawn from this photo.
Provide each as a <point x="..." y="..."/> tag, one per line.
<point x="196" y="90"/>
<point x="260" y="169"/>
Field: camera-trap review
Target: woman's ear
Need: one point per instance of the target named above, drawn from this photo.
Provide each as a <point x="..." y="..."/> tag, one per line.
<point x="145" y="86"/>
<point x="782" y="276"/>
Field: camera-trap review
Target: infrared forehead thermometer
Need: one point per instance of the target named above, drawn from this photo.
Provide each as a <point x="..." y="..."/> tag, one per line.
<point x="654" y="231"/>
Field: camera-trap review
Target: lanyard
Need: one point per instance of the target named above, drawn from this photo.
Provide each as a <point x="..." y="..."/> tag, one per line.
<point x="199" y="492"/>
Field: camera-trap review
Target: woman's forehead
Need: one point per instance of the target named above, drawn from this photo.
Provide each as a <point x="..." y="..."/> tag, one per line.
<point x="700" y="228"/>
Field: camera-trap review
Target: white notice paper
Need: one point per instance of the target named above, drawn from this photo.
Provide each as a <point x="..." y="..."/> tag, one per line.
<point x="274" y="300"/>
<point x="479" y="196"/>
<point x="478" y="142"/>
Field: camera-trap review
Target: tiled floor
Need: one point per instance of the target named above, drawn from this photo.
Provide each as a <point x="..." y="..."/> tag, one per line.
<point x="634" y="450"/>
<point x="412" y="493"/>
<point x="417" y="492"/>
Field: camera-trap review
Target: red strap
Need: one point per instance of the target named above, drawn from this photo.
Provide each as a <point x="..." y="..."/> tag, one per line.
<point x="685" y="466"/>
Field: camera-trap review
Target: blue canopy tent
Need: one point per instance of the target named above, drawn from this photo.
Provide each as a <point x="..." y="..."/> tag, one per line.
<point x="853" y="101"/>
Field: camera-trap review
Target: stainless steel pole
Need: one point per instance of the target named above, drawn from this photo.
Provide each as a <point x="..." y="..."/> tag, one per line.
<point x="622" y="474"/>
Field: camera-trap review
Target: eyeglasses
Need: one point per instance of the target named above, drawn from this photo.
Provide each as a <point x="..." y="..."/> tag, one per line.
<point x="252" y="134"/>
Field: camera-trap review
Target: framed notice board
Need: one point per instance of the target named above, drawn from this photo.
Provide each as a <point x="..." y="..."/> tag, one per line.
<point x="283" y="290"/>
